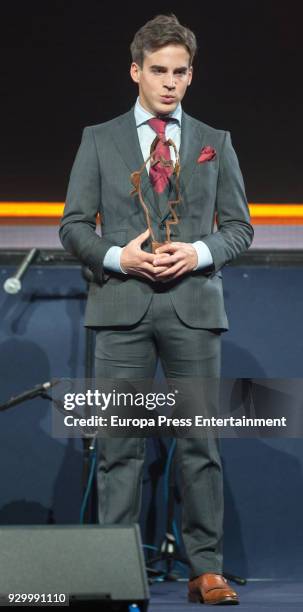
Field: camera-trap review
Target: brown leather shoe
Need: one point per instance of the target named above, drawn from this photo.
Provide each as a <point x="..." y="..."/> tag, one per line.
<point x="211" y="589"/>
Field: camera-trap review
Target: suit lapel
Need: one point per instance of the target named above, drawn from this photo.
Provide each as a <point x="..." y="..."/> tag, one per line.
<point x="125" y="137"/>
<point x="192" y="140"/>
<point x="191" y="143"/>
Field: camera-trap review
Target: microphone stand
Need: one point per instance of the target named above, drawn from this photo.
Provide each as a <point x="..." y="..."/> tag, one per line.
<point x="13" y="285"/>
<point x="88" y="439"/>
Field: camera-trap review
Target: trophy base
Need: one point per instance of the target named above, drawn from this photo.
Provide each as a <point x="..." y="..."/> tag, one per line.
<point x="155" y="245"/>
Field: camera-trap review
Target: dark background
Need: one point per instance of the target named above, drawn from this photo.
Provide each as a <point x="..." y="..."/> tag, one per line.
<point x="65" y="65"/>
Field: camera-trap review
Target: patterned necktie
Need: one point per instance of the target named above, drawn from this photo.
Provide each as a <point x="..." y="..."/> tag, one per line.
<point x="160" y="173"/>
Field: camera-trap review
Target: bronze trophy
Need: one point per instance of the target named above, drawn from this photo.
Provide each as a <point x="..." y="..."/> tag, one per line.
<point x="135" y="178"/>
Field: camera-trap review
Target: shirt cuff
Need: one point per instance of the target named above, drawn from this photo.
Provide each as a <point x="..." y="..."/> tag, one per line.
<point x="204" y="255"/>
<point x="111" y="260"/>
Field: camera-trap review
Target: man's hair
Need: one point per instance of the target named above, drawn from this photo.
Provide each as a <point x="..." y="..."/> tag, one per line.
<point x="160" y="31"/>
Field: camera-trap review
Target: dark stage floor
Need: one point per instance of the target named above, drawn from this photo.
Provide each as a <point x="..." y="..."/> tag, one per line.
<point x="255" y="596"/>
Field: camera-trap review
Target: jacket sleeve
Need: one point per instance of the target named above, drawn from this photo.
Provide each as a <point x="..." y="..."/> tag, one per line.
<point x="234" y="232"/>
<point x="83" y="202"/>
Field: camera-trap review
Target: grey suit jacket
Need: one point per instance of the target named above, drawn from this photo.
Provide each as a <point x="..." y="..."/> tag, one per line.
<point x="100" y="182"/>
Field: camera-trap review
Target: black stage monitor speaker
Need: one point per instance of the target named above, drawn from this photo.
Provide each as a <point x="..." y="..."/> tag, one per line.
<point x="95" y="566"/>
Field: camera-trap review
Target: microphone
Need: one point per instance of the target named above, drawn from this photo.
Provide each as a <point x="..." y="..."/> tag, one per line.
<point x="37" y="390"/>
<point x="13" y="284"/>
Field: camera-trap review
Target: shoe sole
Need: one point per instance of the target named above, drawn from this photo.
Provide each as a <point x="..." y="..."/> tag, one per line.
<point x="228" y="601"/>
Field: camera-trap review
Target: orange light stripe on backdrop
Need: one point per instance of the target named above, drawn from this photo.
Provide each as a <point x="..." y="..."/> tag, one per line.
<point x="49" y="213"/>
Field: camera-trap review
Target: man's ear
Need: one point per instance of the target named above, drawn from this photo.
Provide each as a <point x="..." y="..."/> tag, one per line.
<point x="135" y="72"/>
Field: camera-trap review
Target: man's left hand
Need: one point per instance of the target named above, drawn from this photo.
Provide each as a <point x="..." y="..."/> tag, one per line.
<point x="179" y="257"/>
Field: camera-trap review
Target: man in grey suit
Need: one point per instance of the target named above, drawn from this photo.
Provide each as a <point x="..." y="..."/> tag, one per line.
<point x="165" y="301"/>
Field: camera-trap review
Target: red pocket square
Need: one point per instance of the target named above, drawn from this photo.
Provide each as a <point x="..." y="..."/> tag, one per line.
<point x="207" y="154"/>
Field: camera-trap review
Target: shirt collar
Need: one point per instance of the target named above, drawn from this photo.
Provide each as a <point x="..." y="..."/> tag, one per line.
<point x="142" y="115"/>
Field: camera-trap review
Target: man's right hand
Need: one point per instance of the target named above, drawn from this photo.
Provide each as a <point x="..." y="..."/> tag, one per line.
<point x="137" y="262"/>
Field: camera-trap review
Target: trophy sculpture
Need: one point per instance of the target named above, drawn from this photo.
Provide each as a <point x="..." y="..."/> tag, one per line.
<point x="135" y="178"/>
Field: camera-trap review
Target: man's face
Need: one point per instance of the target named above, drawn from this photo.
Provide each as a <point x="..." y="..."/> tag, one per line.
<point x="163" y="78"/>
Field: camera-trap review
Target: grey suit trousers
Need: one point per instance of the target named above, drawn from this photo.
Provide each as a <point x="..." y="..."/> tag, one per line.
<point x="131" y="352"/>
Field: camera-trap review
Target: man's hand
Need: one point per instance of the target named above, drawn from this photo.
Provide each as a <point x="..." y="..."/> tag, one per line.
<point x="137" y="262"/>
<point x="176" y="258"/>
